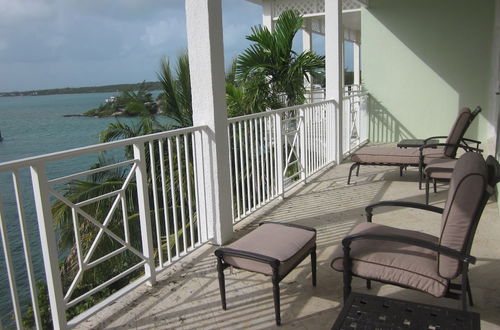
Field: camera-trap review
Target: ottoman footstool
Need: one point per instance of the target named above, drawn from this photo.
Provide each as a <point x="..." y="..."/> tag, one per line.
<point x="273" y="249"/>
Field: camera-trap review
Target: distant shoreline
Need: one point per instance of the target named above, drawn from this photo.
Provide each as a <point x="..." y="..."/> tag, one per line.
<point x="152" y="85"/>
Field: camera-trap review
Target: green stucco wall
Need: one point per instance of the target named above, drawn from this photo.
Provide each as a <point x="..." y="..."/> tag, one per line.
<point x="424" y="59"/>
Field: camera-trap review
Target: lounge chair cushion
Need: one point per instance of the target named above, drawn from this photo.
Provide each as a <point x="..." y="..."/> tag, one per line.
<point x="467" y="188"/>
<point x="395" y="155"/>
<point x="393" y="262"/>
<point x="457" y="131"/>
<point x="285" y="243"/>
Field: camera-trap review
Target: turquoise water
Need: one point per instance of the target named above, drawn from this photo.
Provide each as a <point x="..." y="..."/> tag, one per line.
<point x="32" y="126"/>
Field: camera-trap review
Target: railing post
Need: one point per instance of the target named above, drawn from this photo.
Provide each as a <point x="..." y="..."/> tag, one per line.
<point x="279" y="154"/>
<point x="49" y="246"/>
<point x="302" y="137"/>
<point x="141" y="178"/>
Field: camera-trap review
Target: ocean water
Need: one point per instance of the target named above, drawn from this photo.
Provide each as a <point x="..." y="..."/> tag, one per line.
<point x="32" y="126"/>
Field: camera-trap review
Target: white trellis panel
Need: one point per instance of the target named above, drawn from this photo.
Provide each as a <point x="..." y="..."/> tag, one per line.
<point x="312" y="7"/>
<point x="304" y="7"/>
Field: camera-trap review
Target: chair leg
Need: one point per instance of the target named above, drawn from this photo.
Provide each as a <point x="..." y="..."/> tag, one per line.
<point x="368" y="284"/>
<point x="222" y="283"/>
<point x="469" y="292"/>
<point x="313" y="266"/>
<point x="350" y="172"/>
<point x="427" y="190"/>
<point x="435" y="187"/>
<point x="347" y="274"/>
<point x="276" y="296"/>
<point x="463" y="295"/>
<point x="420" y="173"/>
<point x="401" y="170"/>
<point x="357" y="169"/>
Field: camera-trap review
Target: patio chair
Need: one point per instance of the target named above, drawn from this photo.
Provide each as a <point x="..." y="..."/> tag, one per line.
<point x="403" y="157"/>
<point x="418" y="260"/>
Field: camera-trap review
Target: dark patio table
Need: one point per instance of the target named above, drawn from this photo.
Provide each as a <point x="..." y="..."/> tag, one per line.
<point x="362" y="311"/>
<point x="414" y="143"/>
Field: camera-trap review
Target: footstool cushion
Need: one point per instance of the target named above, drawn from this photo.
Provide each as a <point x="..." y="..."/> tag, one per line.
<point x="284" y="243"/>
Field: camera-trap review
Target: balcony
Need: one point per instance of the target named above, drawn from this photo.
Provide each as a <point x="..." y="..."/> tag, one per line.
<point x="187" y="296"/>
<point x="180" y="191"/>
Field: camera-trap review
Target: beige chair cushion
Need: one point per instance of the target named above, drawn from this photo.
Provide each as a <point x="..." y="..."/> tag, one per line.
<point x="467" y="188"/>
<point x="395" y="155"/>
<point x="457" y="131"/>
<point x="393" y="262"/>
<point x="285" y="243"/>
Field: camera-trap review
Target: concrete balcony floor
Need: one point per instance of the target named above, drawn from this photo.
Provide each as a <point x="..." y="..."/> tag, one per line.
<point x="187" y="295"/>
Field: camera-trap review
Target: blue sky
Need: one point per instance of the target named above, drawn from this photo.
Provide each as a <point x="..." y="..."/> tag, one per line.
<point x="72" y="43"/>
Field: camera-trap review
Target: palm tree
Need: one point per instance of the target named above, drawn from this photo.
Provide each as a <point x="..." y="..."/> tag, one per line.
<point x="175" y="100"/>
<point x="271" y="66"/>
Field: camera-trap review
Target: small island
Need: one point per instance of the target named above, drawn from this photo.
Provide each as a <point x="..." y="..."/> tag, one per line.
<point x="129" y="103"/>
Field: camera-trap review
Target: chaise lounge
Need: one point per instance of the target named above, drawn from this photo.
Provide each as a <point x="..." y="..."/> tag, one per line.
<point x="419" y="157"/>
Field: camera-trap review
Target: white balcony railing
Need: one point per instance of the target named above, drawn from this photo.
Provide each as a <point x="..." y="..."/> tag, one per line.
<point x="107" y="223"/>
<point x="145" y="204"/>
<point x="274" y="150"/>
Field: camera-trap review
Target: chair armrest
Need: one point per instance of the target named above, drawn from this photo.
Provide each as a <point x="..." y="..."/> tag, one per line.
<point x="471" y="140"/>
<point x="465" y="140"/>
<point x="434" y="145"/>
<point x="459" y="255"/>
<point x="369" y="208"/>
<point x="221" y="252"/>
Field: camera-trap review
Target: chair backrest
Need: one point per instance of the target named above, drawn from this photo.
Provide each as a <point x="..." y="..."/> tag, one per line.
<point x="462" y="123"/>
<point x="467" y="197"/>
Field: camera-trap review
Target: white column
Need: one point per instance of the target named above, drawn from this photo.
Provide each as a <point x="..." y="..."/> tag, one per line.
<point x="334" y="39"/>
<point x="206" y="66"/>
<point x="267" y="14"/>
<point x="356" y="63"/>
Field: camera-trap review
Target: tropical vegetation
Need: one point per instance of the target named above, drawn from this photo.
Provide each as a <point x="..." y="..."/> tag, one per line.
<point x="129" y="103"/>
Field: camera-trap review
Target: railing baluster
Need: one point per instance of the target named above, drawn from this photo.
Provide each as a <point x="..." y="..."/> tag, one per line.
<point x="155" y="202"/>
<point x="10" y="267"/>
<point x="266" y="153"/>
<point x="197" y="182"/>
<point x="262" y="195"/>
<point x="26" y="248"/>
<point x="252" y="160"/>
<point x="189" y="193"/>
<point x="247" y="167"/>
<point x="236" y="170"/>
<point x="243" y="190"/>
<point x="173" y="196"/>
<point x="165" y="199"/>
<point x="279" y="155"/>
<point x="181" y="193"/>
